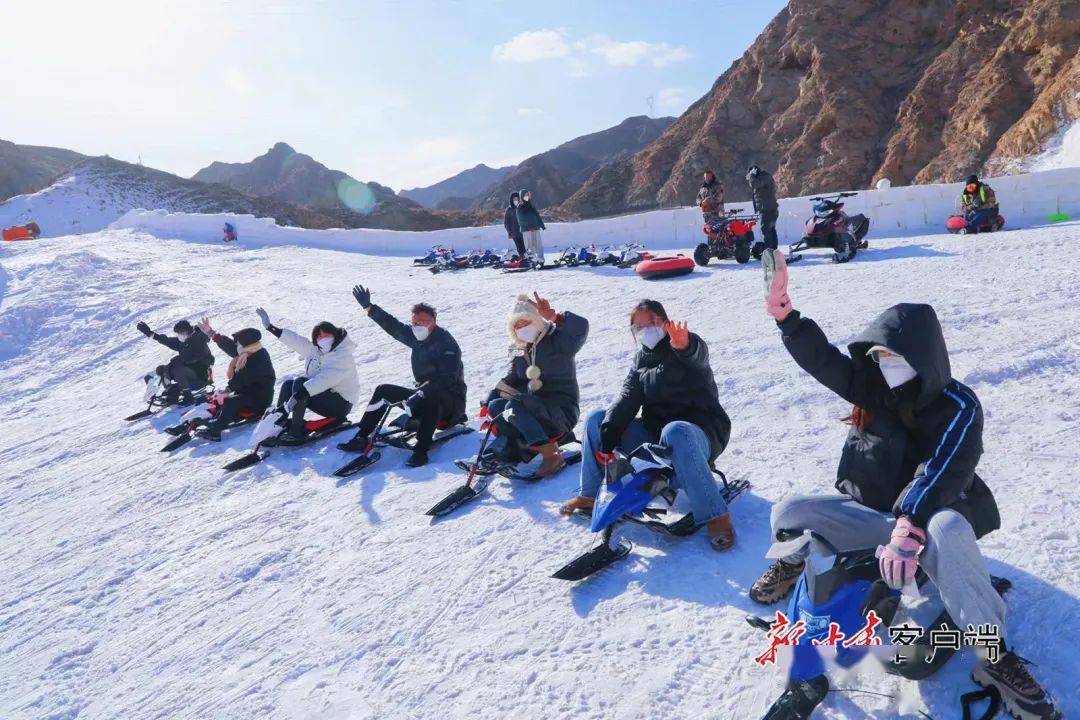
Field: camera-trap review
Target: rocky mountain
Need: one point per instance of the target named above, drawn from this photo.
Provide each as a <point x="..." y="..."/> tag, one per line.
<point x="29" y="168"/>
<point x="835" y="94"/>
<point x="457" y="192"/>
<point x="285" y="175"/>
<point x="554" y="175"/>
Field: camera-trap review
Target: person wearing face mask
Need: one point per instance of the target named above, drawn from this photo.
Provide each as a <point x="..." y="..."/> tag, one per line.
<point x="538" y="397"/>
<point x="530" y="224"/>
<point x="190" y="369"/>
<point x="329" y="385"/>
<point x="907" y="476"/>
<point x="510" y="222"/>
<point x="436" y="364"/>
<point x="671" y="385"/>
<point x="710" y="198"/>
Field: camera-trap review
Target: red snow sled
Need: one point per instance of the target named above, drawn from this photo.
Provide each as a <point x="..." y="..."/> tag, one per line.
<point x="958" y="225"/>
<point x="657" y="268"/>
<point x="29" y="231"/>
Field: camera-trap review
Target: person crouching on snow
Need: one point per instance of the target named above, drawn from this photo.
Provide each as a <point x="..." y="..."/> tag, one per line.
<point x="671" y="383"/>
<point x="190" y="369"/>
<point x="906" y="476"/>
<point x="251" y="378"/>
<point x="537" y="401"/>
<point x="329" y="385"/>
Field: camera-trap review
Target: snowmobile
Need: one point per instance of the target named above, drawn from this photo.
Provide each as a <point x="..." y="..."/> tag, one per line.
<point x="632" y="485"/>
<point x="959" y="224"/>
<point x="399" y="433"/>
<point x="512" y="462"/>
<point x="730" y="236"/>
<point x="187" y="429"/>
<point x="842" y="588"/>
<point x="433" y="254"/>
<point x="830" y="227"/>
<point x="161" y="394"/>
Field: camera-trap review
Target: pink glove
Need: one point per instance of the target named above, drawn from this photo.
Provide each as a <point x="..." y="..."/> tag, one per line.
<point x="777" y="303"/>
<point x="900" y="558"/>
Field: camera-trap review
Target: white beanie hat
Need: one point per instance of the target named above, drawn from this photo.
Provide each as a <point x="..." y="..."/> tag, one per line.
<point x="523" y="310"/>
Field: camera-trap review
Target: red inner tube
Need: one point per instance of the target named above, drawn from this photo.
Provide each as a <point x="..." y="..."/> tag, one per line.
<point x="662" y="267"/>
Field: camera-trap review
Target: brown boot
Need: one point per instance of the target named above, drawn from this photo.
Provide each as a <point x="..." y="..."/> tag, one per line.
<point x="721" y="532"/>
<point x="776" y="582"/>
<point x="553" y="460"/>
<point x="579" y="504"/>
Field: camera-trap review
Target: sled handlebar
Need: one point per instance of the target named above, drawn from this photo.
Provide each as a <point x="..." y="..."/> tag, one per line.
<point x="837" y="196"/>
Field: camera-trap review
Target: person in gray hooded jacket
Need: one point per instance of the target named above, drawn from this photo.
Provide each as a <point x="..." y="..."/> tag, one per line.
<point x="907" y="475"/>
<point x="763" y="194"/>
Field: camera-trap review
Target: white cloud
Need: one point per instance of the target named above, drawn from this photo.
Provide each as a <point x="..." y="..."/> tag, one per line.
<point x="237" y="81"/>
<point x="636" y="52"/>
<point x="671" y="98"/>
<point x="532" y="46"/>
<point x="529" y="112"/>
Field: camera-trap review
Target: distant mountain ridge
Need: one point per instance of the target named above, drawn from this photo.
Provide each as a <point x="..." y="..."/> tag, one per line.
<point x="456" y="192"/>
<point x="29" y="168"/>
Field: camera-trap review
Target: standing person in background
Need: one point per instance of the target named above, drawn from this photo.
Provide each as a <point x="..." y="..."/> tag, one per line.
<point x="510" y="222"/>
<point x="530" y="224"/>
<point x="763" y="193"/>
<point x="710" y="198"/>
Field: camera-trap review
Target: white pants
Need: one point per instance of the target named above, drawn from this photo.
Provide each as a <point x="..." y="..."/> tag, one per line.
<point x="534" y="245"/>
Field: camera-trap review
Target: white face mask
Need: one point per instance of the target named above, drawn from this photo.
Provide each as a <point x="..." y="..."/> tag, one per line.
<point x="325" y="343"/>
<point x="896" y="371"/>
<point x="650" y="336"/>
<point x="183" y="337"/>
<point x="527" y="334"/>
<point x="526" y="198"/>
<point x="516" y="202"/>
<point x="420" y="332"/>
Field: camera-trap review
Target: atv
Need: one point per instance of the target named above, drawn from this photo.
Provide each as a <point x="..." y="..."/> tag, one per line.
<point x="730" y="236"/>
<point x="830" y="227"/>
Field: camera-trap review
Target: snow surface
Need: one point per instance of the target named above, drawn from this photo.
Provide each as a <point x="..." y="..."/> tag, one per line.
<point x="1062" y="152"/>
<point x="140" y="585"/>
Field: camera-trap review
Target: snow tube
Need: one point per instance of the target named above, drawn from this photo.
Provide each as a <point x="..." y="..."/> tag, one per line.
<point x="959" y="224"/>
<point x="664" y="267"/>
<point x="21" y="232"/>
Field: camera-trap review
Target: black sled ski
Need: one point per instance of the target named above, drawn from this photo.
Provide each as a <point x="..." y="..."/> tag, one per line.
<point x="511" y="472"/>
<point x="187" y="434"/>
<point x="262" y="451"/>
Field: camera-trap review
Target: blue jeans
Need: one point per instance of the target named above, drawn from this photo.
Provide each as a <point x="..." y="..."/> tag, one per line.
<point x="516" y="418"/>
<point x="689" y="456"/>
<point x="982" y="217"/>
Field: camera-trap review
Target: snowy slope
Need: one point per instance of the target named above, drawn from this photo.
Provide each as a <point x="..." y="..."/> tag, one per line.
<point x="137" y="585"/>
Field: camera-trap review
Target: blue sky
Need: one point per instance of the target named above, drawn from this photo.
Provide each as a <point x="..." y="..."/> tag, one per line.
<point x="404" y="93"/>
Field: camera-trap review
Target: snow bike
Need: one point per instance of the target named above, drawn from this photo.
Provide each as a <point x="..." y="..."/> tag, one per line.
<point x="842" y="588"/>
<point x="631" y="254"/>
<point x="632" y="484"/>
<point x="449" y="261"/>
<point x="512" y="463"/>
<point x="433" y="254"/>
<point x="608" y="255"/>
<point x="526" y="264"/>
<point x="483" y="258"/>
<point x="190" y="422"/>
<point x="399" y="433"/>
<point x="961" y="225"/>
<point x="161" y="394"/>
<point x="270" y="429"/>
<point x="830" y="227"/>
<point x="570" y="257"/>
<point x="730" y="236"/>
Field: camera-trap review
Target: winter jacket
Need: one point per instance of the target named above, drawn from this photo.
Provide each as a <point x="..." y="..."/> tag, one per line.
<point x="763" y="192"/>
<point x="668" y="385"/>
<point x="556" y="404"/>
<point x="528" y="217"/>
<point x="919" y="468"/>
<point x="193" y="352"/>
<point x="334" y="370"/>
<point x="983" y="197"/>
<point x="510" y="219"/>
<point x="711" y="197"/>
<point x="435" y="361"/>
<point x="256" y="379"/>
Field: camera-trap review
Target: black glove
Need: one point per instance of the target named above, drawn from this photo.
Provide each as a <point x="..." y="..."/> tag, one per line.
<point x="300" y="392"/>
<point x="144" y="329"/>
<point x="362" y="295"/>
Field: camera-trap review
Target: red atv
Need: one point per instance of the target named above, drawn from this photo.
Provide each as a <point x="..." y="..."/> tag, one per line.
<point x="730" y="236"/>
<point x="830" y="227"/>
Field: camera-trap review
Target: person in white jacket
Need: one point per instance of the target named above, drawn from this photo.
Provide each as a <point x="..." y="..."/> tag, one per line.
<point x="329" y="385"/>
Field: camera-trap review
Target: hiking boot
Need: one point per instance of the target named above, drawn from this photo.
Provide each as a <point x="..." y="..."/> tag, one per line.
<point x="358" y="443"/>
<point x="721" y="532"/>
<point x="799" y="699"/>
<point x="1020" y="693"/>
<point x="419" y="458"/>
<point x="776" y="582"/>
<point x="553" y="460"/>
<point x="579" y="504"/>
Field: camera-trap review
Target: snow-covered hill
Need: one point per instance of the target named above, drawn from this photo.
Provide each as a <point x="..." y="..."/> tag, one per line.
<point x="139" y="585"/>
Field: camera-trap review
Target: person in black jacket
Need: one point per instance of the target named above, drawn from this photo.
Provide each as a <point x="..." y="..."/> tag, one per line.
<point x="190" y="369"/>
<point x="537" y="401"/>
<point x="251" y="379"/>
<point x="672" y="385"/>
<point x="907" y="474"/>
<point x="436" y="366"/>
<point x="531" y="224"/>
<point x="510" y="222"/>
<point x="763" y="194"/>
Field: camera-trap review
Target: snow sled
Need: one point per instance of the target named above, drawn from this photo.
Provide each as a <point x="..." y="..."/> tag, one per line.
<point x="574" y="256"/>
<point x="483" y="258"/>
<point x="186" y="430"/>
<point x="628" y="495"/>
<point x="268" y="434"/>
<point x="657" y="268"/>
<point x="830" y="227"/>
<point x="730" y="236"/>
<point x="433" y="254"/>
<point x="160" y="394"/>
<point x="959" y="225"/>
<point x="29" y="231"/>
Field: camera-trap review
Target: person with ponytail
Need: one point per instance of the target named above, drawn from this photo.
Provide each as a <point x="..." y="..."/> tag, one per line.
<point x="907" y="476"/>
<point x="671" y="384"/>
<point x="536" y="402"/>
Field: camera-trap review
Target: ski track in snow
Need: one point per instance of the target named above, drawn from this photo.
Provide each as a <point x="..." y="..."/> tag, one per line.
<point x="140" y="585"/>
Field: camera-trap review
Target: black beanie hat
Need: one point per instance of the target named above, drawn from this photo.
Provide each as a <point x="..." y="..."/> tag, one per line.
<point x="183" y="327"/>
<point x="973" y="180"/>
<point x="247" y="336"/>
